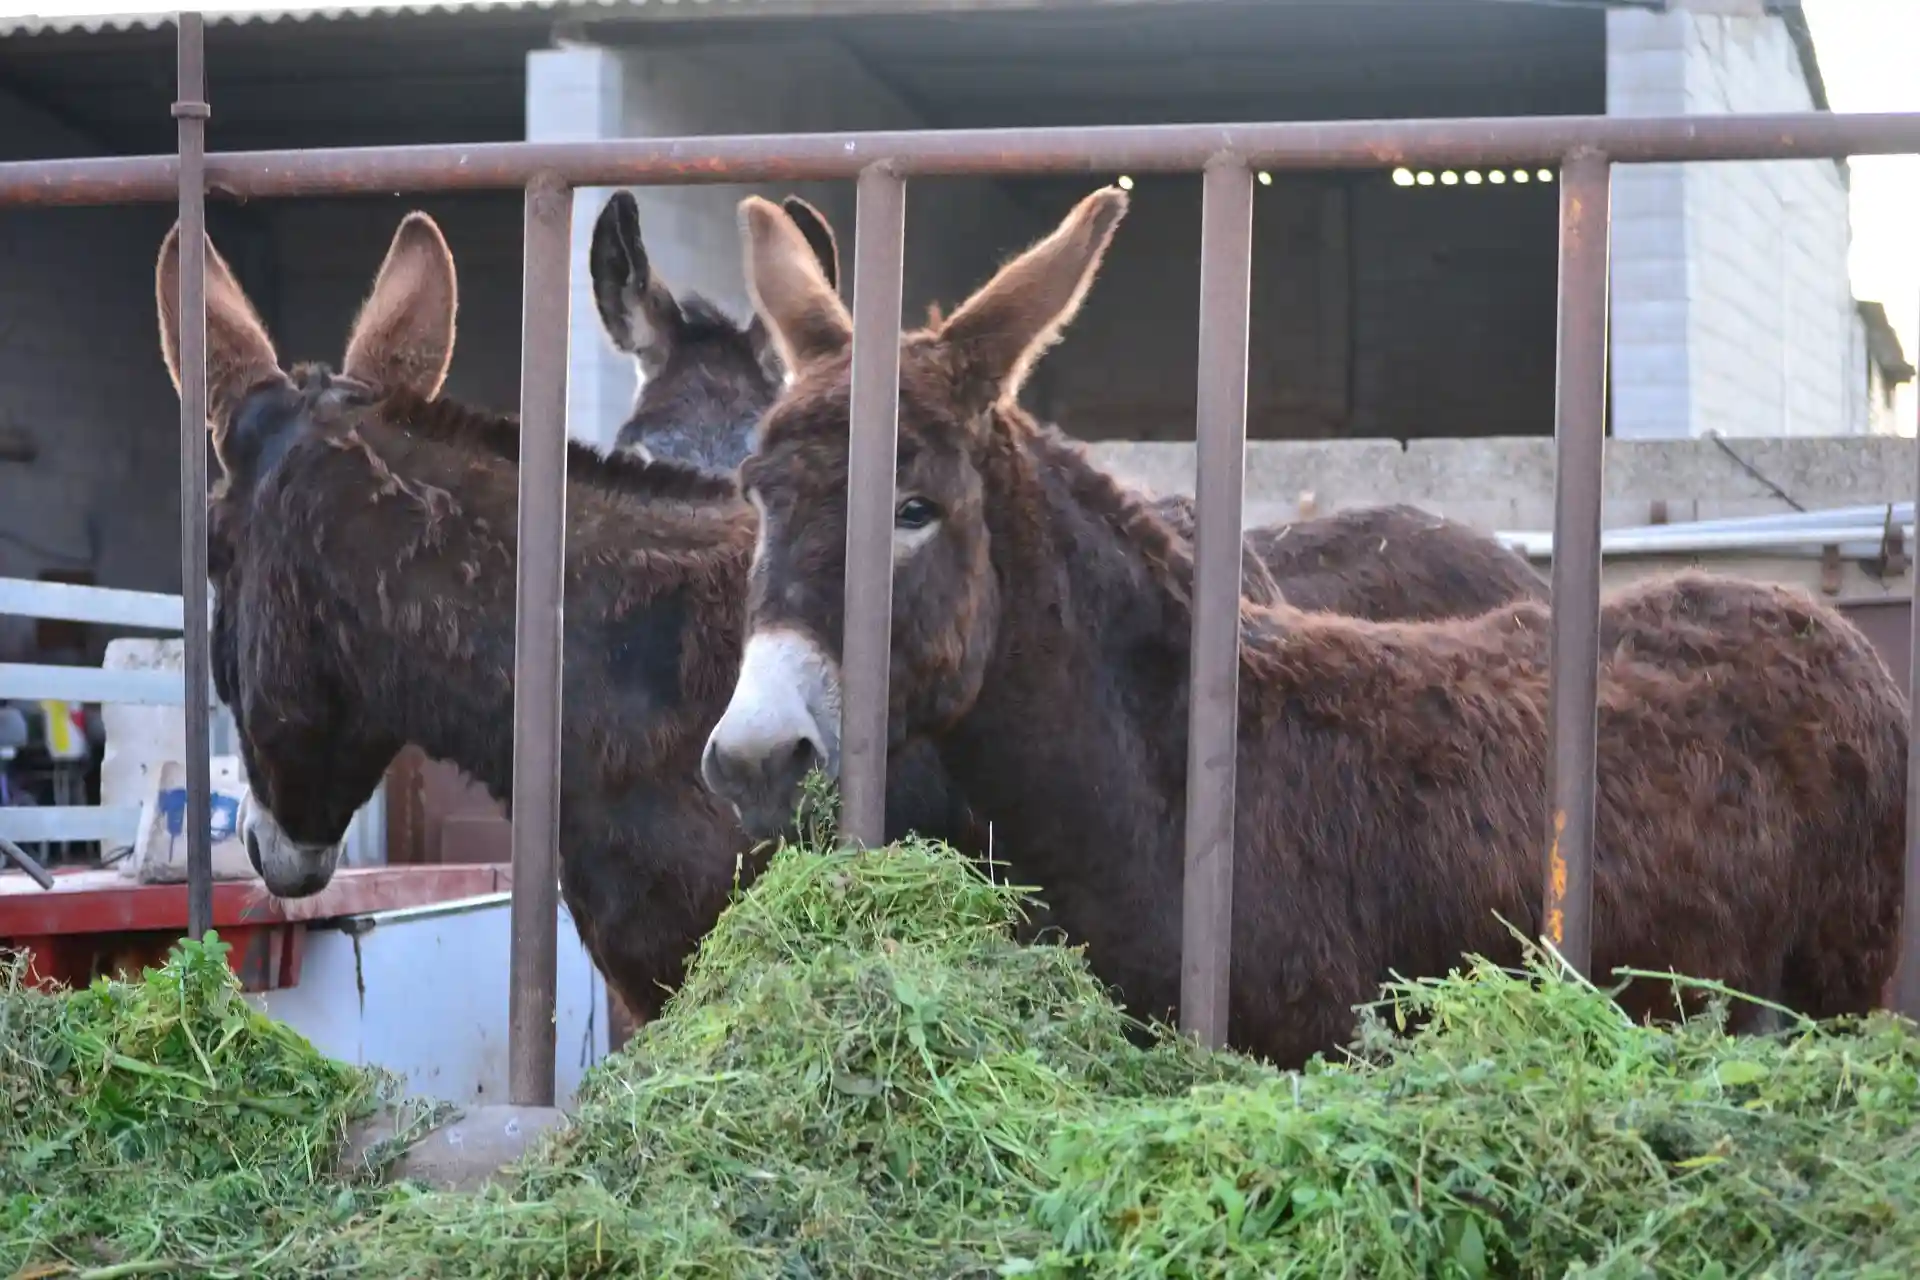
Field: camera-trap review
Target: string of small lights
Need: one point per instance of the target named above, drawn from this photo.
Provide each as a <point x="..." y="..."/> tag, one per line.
<point x="1471" y="178"/>
<point x="1426" y="178"/>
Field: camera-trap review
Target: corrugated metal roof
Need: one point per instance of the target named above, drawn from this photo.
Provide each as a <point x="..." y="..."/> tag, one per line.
<point x="138" y="15"/>
<point x="146" y="15"/>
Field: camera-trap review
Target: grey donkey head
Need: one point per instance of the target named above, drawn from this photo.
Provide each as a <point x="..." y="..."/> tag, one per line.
<point x="705" y="378"/>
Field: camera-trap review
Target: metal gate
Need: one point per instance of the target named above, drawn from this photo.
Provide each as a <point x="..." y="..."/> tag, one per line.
<point x="1585" y="147"/>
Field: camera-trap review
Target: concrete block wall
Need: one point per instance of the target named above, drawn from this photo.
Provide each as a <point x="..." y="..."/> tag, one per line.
<point x="1732" y="310"/>
<point x="1507" y="484"/>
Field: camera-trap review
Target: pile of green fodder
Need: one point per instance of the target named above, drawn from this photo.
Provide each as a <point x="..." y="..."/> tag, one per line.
<point x="160" y="1119"/>
<point x="866" y="1076"/>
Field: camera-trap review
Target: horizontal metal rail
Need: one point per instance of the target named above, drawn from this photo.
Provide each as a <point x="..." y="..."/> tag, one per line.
<point x="105" y="606"/>
<point x="56" y="824"/>
<point x="1852" y="539"/>
<point x="37" y="681"/>
<point x="1298" y="145"/>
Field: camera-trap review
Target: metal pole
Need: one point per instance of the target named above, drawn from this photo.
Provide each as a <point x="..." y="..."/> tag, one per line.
<point x="998" y="153"/>
<point x="190" y="110"/>
<point x="22" y="859"/>
<point x="1220" y="436"/>
<point x="1906" y="978"/>
<point x="1579" y="477"/>
<point x="879" y="242"/>
<point x="539" y="623"/>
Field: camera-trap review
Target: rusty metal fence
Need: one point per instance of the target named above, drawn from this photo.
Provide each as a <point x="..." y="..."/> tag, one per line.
<point x="1584" y="147"/>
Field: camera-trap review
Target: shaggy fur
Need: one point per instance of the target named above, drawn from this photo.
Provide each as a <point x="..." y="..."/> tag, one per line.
<point x="706" y="379"/>
<point x="1392" y="776"/>
<point x="362" y="548"/>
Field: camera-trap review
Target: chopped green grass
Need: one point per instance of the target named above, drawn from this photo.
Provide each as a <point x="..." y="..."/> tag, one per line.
<point x="866" y="1076"/>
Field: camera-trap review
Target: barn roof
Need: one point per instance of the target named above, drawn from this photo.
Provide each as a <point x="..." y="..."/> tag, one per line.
<point x="136" y="15"/>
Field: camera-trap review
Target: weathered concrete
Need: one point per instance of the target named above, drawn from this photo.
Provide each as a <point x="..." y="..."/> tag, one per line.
<point x="463" y="1154"/>
<point x="1507" y="484"/>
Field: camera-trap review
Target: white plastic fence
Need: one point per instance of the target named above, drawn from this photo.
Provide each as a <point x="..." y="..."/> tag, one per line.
<point x="145" y="610"/>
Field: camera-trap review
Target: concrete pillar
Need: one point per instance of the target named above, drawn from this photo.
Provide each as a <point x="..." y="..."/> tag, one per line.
<point x="575" y="94"/>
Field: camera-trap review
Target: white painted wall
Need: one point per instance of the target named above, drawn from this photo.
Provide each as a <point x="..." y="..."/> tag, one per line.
<point x="1732" y="310"/>
<point x="574" y="95"/>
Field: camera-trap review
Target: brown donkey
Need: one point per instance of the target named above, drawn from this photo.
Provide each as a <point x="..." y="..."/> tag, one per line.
<point x="1392" y="798"/>
<point x="705" y="379"/>
<point x="362" y="552"/>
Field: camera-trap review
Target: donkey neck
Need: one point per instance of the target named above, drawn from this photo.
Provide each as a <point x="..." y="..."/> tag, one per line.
<point x="1092" y="645"/>
<point x="426" y="579"/>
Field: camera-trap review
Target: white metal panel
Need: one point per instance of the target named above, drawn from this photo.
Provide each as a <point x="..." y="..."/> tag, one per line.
<point x="90" y="684"/>
<point x="51" y="824"/>
<point x="108" y="606"/>
<point x="423" y="993"/>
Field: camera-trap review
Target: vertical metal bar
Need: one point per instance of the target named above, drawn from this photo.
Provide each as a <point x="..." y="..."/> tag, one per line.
<point x="1906" y="978"/>
<point x="879" y="242"/>
<point x="190" y="110"/>
<point x="539" y="622"/>
<point x="1220" y="435"/>
<point x="1579" y="477"/>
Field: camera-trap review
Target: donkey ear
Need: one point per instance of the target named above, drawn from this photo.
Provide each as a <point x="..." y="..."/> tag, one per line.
<point x="1000" y="331"/>
<point x="403" y="337"/>
<point x="766" y="352"/>
<point x="813" y="225"/>
<point x="240" y="356"/>
<point x="637" y="310"/>
<point x="801" y="309"/>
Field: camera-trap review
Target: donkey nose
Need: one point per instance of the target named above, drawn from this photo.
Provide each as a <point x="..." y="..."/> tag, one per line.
<point x="762" y="785"/>
<point x="253" y="850"/>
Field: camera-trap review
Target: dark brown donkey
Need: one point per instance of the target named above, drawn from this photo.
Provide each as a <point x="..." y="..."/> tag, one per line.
<point x="705" y="379"/>
<point x="1392" y="797"/>
<point x="362" y="548"/>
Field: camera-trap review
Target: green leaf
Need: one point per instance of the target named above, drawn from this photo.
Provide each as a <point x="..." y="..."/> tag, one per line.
<point x="1739" y="1072"/>
<point x="1470" y="1253"/>
<point x="1233" y="1202"/>
<point x="1700" y="1162"/>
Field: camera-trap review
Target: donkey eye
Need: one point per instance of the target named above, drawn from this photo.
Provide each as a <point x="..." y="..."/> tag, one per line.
<point x="914" y="513"/>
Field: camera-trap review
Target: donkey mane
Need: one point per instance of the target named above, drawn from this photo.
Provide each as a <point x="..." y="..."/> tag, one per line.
<point x="1133" y="515"/>
<point x="701" y="317"/>
<point x="498" y="435"/>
